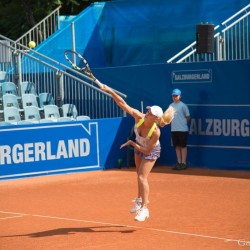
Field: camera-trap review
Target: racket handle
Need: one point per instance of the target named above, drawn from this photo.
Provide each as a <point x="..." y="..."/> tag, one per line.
<point x="100" y="85"/>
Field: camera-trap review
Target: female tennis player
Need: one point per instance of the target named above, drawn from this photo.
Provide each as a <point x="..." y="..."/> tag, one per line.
<point x="147" y="148"/>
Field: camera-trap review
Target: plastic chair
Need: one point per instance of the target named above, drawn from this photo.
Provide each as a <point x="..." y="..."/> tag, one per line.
<point x="46" y="99"/>
<point x="28" y="88"/>
<point x="69" y="110"/>
<point x="24" y="122"/>
<point x="64" y="119"/>
<point x="82" y="118"/>
<point x="48" y="120"/>
<point x="51" y="112"/>
<point x="31" y="113"/>
<point x="10" y="100"/>
<point x="9" y="88"/>
<point x="12" y="115"/>
<point x="2" y="76"/>
<point x="3" y="123"/>
<point x="30" y="100"/>
<point x="2" y="79"/>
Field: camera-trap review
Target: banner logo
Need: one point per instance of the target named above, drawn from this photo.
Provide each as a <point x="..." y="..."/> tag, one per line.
<point x="192" y="76"/>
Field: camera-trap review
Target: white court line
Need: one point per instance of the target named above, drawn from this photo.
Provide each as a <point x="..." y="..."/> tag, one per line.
<point x="130" y="226"/>
<point x="17" y="215"/>
<point x="138" y="227"/>
<point x="11" y="217"/>
<point x="5" y="212"/>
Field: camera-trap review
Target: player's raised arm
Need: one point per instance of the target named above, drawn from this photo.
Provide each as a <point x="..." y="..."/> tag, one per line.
<point x="121" y="102"/>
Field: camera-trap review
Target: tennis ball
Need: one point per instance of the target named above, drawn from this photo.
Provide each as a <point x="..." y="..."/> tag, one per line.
<point x="32" y="44"/>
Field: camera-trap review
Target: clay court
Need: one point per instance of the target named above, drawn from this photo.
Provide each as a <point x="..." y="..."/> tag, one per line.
<point x="192" y="209"/>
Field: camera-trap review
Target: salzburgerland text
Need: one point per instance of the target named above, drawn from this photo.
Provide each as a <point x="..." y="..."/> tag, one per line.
<point x="183" y="77"/>
<point x="192" y="76"/>
<point x="41" y="151"/>
<point x="220" y="127"/>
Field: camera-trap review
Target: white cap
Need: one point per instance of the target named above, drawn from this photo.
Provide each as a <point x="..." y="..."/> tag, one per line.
<point x="156" y="110"/>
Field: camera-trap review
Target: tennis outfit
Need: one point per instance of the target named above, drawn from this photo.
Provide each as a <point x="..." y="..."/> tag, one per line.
<point x="143" y="141"/>
<point x="142" y="212"/>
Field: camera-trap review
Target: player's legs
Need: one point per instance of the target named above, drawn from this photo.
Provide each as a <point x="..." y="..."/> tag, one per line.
<point x="138" y="160"/>
<point x="144" y="170"/>
<point x="138" y="199"/>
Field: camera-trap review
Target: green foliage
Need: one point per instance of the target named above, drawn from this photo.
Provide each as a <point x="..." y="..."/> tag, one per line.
<point x="17" y="17"/>
<point x="11" y="19"/>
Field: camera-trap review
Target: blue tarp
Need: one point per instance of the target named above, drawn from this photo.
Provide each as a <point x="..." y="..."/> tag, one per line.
<point x="135" y="32"/>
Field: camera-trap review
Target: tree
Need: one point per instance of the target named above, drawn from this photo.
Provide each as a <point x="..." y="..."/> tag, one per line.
<point x="17" y="17"/>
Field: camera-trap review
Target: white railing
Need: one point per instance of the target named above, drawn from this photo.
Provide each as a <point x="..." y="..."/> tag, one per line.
<point x="236" y="37"/>
<point x="42" y="30"/>
<point x="64" y="83"/>
<point x="231" y="41"/>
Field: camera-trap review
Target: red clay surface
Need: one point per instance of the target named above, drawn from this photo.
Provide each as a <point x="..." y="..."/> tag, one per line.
<point x="191" y="209"/>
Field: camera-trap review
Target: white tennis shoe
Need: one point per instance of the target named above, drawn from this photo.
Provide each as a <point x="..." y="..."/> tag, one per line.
<point x="137" y="205"/>
<point x="142" y="214"/>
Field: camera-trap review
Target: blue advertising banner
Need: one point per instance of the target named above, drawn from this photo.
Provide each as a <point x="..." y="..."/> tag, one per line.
<point x="73" y="143"/>
<point x="61" y="147"/>
<point x="225" y="126"/>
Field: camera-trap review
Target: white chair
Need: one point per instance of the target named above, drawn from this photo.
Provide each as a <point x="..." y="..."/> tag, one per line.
<point x="82" y="118"/>
<point x="24" y="122"/>
<point x="47" y="120"/>
<point x="46" y="99"/>
<point x="2" y="76"/>
<point x="10" y="100"/>
<point x="9" y="88"/>
<point x="64" y="119"/>
<point x="2" y="79"/>
<point x="28" y="88"/>
<point x="12" y="115"/>
<point x="69" y="110"/>
<point x="3" y="123"/>
<point x="51" y="112"/>
<point x="30" y="100"/>
<point x="32" y="114"/>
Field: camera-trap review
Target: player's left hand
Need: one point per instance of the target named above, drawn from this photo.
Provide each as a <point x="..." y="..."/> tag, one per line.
<point x="126" y="144"/>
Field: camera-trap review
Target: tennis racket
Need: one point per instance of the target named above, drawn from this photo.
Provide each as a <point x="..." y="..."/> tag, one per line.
<point x="80" y="64"/>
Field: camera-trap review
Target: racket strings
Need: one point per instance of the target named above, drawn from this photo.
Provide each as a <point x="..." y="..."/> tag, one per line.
<point x="78" y="62"/>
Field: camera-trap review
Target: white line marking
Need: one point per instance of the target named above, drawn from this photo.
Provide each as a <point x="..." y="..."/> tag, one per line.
<point x="138" y="227"/>
<point x="12" y="217"/>
<point x="17" y="215"/>
<point x="129" y="226"/>
<point x="5" y="212"/>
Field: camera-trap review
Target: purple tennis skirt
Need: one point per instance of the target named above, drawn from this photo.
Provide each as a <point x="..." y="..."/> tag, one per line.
<point x="155" y="153"/>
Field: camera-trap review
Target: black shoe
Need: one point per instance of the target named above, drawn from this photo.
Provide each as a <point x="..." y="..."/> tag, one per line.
<point x="177" y="166"/>
<point x="183" y="166"/>
<point x="180" y="166"/>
